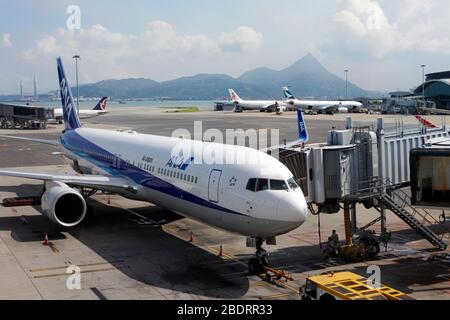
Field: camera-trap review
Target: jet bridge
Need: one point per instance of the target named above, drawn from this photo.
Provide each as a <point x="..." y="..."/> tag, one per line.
<point x="24" y="117"/>
<point x="364" y="165"/>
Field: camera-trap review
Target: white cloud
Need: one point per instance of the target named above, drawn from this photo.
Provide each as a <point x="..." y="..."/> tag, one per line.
<point x="6" y="40"/>
<point x="413" y="26"/>
<point x="242" y="39"/>
<point x="158" y="46"/>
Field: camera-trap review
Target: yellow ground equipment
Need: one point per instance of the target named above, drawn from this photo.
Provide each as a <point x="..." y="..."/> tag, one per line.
<point x="347" y="286"/>
<point x="365" y="248"/>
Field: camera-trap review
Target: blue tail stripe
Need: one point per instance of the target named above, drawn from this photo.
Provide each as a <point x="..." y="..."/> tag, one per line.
<point x="302" y="130"/>
<point x="71" y="120"/>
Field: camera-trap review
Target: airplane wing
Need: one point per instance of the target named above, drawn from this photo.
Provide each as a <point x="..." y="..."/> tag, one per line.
<point x="50" y="142"/>
<point x="104" y="183"/>
<point x="332" y="108"/>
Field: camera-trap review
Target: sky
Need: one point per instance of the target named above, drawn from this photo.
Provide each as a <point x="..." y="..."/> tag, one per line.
<point x="382" y="42"/>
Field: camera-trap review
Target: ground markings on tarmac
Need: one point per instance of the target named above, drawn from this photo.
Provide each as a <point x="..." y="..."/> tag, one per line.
<point x="40" y="273"/>
<point x="228" y="257"/>
<point x="142" y="220"/>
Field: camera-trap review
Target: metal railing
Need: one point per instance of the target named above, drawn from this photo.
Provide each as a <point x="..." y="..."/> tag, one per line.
<point x="376" y="188"/>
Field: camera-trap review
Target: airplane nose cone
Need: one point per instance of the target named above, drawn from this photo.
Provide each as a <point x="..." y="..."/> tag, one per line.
<point x="302" y="210"/>
<point x="294" y="209"/>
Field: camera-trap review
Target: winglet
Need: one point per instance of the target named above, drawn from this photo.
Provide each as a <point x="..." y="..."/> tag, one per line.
<point x="71" y="120"/>
<point x="302" y="130"/>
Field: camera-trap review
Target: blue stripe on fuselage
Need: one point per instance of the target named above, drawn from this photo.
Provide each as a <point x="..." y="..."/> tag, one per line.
<point x="115" y="166"/>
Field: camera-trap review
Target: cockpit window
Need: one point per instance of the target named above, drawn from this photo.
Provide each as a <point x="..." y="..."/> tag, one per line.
<point x="256" y="185"/>
<point x="251" y="185"/>
<point x="278" y="185"/>
<point x="292" y="184"/>
<point x="262" y="184"/>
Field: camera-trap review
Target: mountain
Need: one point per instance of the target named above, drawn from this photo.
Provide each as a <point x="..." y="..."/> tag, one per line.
<point x="306" y="77"/>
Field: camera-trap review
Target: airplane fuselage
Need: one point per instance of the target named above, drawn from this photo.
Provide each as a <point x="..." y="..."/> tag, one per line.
<point x="215" y="194"/>
<point x="84" y="114"/>
<point x="323" y="105"/>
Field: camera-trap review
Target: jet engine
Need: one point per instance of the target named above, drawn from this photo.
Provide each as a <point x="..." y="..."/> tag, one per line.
<point x="343" y="110"/>
<point x="63" y="205"/>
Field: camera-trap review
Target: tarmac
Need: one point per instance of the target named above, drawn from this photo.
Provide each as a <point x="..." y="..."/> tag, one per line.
<point x="135" y="250"/>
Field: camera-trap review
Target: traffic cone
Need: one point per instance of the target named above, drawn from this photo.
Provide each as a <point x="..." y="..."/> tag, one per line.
<point x="221" y="251"/>
<point x="192" y="237"/>
<point x="45" y="243"/>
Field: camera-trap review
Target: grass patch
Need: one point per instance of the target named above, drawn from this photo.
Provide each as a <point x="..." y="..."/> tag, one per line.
<point x="182" y="109"/>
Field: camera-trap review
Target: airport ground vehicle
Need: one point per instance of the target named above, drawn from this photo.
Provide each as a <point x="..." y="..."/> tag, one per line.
<point x="347" y="286"/>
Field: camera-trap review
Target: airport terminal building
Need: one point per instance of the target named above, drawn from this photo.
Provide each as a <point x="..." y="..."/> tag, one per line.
<point x="437" y="89"/>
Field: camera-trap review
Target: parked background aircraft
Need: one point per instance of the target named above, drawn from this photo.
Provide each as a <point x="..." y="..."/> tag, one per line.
<point x="262" y="105"/>
<point x="321" y="106"/>
<point x="258" y="199"/>
<point x="98" y="110"/>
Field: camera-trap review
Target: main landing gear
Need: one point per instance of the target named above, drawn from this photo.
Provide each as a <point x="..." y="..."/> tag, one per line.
<point x="258" y="265"/>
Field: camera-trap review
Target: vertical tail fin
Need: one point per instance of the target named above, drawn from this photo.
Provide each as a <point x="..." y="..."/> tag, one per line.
<point x="234" y="97"/>
<point x="101" y="105"/>
<point x="287" y="93"/>
<point x="302" y="130"/>
<point x="71" y="120"/>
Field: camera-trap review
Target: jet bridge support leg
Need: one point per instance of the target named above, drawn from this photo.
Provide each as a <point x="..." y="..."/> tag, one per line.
<point x="354" y="222"/>
<point x="383" y="220"/>
<point x="348" y="225"/>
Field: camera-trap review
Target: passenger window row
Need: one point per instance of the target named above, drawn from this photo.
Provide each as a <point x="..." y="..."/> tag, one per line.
<point x="165" y="172"/>
<point x="178" y="175"/>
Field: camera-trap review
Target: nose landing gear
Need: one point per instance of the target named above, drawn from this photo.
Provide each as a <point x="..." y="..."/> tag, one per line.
<point x="257" y="265"/>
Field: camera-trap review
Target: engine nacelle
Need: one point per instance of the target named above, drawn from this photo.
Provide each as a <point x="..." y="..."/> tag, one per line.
<point x="343" y="110"/>
<point x="63" y="205"/>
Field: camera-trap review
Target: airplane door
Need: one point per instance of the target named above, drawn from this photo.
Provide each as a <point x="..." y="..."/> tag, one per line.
<point x="213" y="185"/>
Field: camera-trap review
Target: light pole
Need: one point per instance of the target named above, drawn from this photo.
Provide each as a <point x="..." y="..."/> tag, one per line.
<point x="423" y="81"/>
<point x="346" y="84"/>
<point x="77" y="57"/>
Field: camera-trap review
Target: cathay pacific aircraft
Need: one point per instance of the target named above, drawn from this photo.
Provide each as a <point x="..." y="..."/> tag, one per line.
<point x="259" y="199"/>
<point x="321" y="106"/>
<point x="98" y="110"/>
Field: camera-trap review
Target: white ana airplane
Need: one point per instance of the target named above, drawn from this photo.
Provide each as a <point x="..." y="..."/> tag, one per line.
<point x="262" y="105"/>
<point x="256" y="201"/>
<point x="329" y="107"/>
<point x="98" y="110"/>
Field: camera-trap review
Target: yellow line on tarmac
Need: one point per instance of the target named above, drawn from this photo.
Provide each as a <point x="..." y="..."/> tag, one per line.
<point x="277" y="296"/>
<point x="68" y="274"/>
<point x="70" y="264"/>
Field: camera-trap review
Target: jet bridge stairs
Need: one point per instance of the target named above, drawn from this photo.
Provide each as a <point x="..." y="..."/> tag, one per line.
<point x="384" y="193"/>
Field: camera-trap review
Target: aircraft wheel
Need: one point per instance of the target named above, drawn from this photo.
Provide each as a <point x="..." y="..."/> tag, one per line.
<point x="372" y="248"/>
<point x="255" y="267"/>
